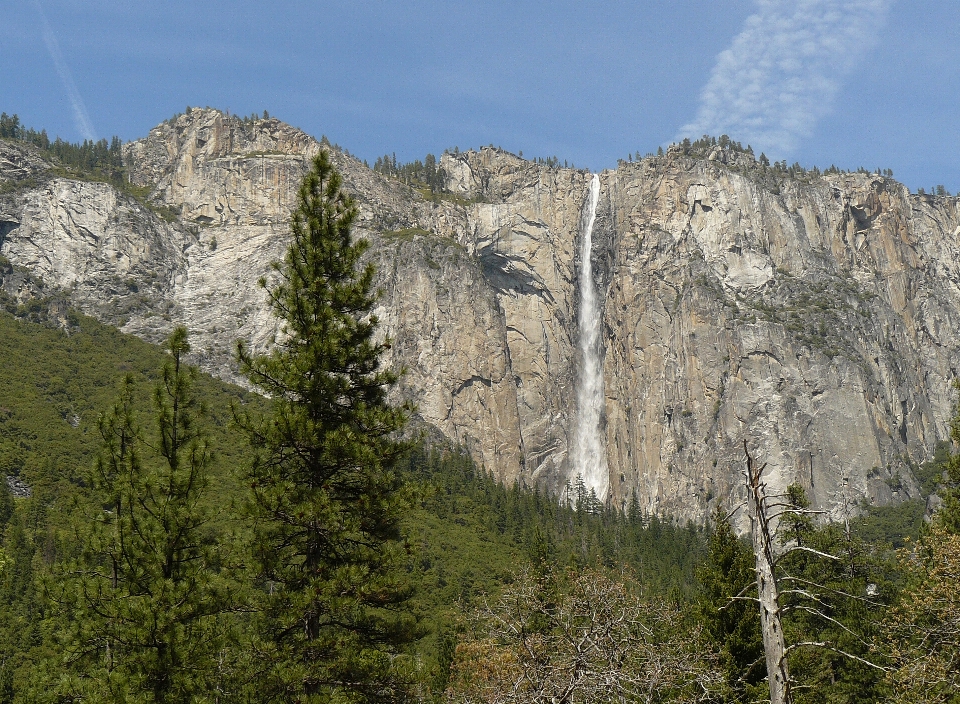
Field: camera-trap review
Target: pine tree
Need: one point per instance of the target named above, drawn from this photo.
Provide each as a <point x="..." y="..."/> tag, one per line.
<point x="6" y="505"/>
<point x="732" y="624"/>
<point x="141" y="600"/>
<point x="19" y="622"/>
<point x="326" y="496"/>
<point x="949" y="515"/>
<point x="836" y="602"/>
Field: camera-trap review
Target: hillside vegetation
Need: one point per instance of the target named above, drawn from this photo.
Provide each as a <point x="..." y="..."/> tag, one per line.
<point x="468" y="535"/>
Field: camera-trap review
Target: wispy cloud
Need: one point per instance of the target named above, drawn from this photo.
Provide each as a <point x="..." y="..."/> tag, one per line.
<point x="80" y="115"/>
<point x="784" y="70"/>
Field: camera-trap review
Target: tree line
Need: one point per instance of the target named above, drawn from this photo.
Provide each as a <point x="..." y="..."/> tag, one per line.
<point x="426" y="174"/>
<point x="89" y="155"/>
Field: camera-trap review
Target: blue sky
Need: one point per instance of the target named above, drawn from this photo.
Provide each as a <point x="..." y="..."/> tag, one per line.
<point x="847" y="82"/>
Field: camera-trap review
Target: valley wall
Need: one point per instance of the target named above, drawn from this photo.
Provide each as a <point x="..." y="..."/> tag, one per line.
<point x="815" y="316"/>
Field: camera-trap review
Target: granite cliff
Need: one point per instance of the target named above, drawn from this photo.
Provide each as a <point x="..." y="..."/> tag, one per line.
<point x="814" y="315"/>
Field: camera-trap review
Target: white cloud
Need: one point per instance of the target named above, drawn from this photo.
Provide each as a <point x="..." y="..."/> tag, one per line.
<point x="80" y="115"/>
<point x="784" y="70"/>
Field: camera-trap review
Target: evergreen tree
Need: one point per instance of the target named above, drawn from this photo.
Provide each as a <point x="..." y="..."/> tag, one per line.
<point x="797" y="521"/>
<point x="837" y="603"/>
<point x="949" y="515"/>
<point x="326" y="496"/>
<point x="141" y="600"/>
<point x="19" y="622"/>
<point x="920" y="632"/>
<point x="731" y="623"/>
<point x="6" y="505"/>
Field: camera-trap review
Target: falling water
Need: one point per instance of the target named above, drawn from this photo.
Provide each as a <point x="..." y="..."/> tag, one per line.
<point x="589" y="459"/>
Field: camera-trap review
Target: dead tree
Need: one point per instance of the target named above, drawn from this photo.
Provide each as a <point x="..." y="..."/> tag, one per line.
<point x="768" y="593"/>
<point x="764" y="514"/>
<point x="591" y="640"/>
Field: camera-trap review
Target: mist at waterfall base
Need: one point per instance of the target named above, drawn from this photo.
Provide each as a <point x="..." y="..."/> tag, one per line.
<point x="589" y="458"/>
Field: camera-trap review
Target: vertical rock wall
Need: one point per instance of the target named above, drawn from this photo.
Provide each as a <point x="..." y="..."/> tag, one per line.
<point x="816" y="316"/>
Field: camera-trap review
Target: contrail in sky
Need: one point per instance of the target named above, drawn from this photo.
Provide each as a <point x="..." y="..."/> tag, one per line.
<point x="80" y="115"/>
<point x="784" y="71"/>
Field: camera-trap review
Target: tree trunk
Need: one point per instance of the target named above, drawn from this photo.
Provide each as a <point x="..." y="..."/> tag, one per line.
<point x="773" y="643"/>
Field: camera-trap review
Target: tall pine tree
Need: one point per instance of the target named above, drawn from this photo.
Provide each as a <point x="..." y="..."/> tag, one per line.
<point x="141" y="601"/>
<point x="326" y="495"/>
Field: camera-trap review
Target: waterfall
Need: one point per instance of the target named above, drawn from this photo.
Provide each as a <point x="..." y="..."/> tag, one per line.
<point x="589" y="458"/>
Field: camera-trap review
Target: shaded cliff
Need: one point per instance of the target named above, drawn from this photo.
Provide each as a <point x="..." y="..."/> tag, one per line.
<point x="814" y="315"/>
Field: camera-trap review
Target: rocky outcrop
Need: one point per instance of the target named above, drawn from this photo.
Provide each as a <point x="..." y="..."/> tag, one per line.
<point x="818" y="320"/>
<point x="813" y="315"/>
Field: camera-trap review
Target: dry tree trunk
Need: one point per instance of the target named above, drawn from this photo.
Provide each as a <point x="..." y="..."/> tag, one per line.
<point x="773" y="642"/>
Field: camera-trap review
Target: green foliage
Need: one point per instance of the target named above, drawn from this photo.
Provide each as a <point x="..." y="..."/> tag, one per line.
<point x="470" y="534"/>
<point x="140" y="601"/>
<point x="834" y="590"/>
<point x="837" y="603"/>
<point x="20" y="613"/>
<point x="512" y="522"/>
<point x="796" y="520"/>
<point x="427" y="173"/>
<point x="87" y="156"/>
<point x="894" y="524"/>
<point x="56" y="382"/>
<point x="6" y="506"/>
<point x="327" y="499"/>
<point x="932" y="473"/>
<point x="949" y="515"/>
<point x="814" y="314"/>
<point x="407" y="234"/>
<point x="730" y="622"/>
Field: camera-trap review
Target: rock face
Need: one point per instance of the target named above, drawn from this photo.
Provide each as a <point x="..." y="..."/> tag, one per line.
<point x="817" y="320"/>
<point x="814" y="316"/>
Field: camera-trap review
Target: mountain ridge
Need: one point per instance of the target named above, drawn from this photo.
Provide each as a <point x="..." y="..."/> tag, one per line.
<point x="812" y="314"/>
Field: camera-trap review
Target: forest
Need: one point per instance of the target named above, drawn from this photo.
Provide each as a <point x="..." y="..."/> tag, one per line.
<point x="167" y="537"/>
<point x="467" y="534"/>
<point x="88" y="156"/>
